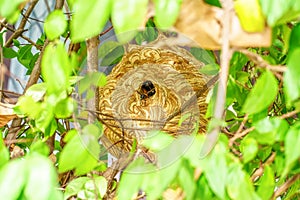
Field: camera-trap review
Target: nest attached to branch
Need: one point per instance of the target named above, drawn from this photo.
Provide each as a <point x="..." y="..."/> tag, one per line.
<point x="152" y="88"/>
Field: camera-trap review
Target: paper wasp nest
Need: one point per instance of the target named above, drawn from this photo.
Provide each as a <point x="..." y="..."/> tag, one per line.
<point x="152" y="88"/>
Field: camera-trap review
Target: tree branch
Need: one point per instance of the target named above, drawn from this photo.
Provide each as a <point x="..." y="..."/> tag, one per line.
<point x="226" y="54"/>
<point x="92" y="66"/>
<point x="258" y="172"/>
<point x="285" y="186"/>
<point x="260" y="62"/>
<point x="20" y="29"/>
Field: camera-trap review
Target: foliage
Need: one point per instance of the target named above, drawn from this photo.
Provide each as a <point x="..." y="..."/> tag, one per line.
<point x="256" y="156"/>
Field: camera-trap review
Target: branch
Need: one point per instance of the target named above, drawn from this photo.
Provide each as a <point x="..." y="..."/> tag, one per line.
<point x="20" y="29"/>
<point x="212" y="137"/>
<point x="237" y="136"/>
<point x="258" y="172"/>
<point x="92" y="66"/>
<point x="260" y="62"/>
<point x="289" y="114"/>
<point x="285" y="186"/>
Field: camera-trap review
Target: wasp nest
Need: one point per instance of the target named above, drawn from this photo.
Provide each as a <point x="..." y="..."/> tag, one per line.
<point x="152" y="89"/>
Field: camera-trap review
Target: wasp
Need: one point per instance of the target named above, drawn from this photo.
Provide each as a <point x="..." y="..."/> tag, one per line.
<point x="146" y="90"/>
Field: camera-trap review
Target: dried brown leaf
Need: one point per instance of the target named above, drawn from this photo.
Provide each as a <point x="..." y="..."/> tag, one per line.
<point x="203" y="24"/>
<point x="6" y="114"/>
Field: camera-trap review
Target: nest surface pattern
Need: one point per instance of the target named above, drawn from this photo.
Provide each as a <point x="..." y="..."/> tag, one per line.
<point x="128" y="117"/>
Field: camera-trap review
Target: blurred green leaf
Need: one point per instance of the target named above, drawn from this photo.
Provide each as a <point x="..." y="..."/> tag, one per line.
<point x="41" y="177"/>
<point x="4" y="153"/>
<point x="186" y="180"/>
<point x="13" y="174"/>
<point x="84" y="159"/>
<point x="56" y="68"/>
<point x="75" y="186"/>
<point x="55" y="24"/>
<point x="216" y="170"/>
<point x="266" y="84"/>
<point x="210" y="69"/>
<point x="157" y="140"/>
<point x="250" y="15"/>
<point x="203" y="55"/>
<point x="37" y="91"/>
<point x="10" y="10"/>
<point x="269" y="130"/>
<point x="291" y="77"/>
<point x="96" y="185"/>
<point x="64" y="108"/>
<point x="266" y="184"/>
<point x="238" y="184"/>
<point x="89" y="18"/>
<point x="280" y="11"/>
<point x="40" y="147"/>
<point x="133" y="176"/>
<point x="292" y="147"/>
<point x="166" y="12"/>
<point x="133" y="11"/>
<point x="91" y="79"/>
<point x="249" y="149"/>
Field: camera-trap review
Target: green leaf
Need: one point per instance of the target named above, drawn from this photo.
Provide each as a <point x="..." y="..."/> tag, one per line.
<point x="9" y="53"/>
<point x="84" y="159"/>
<point x="187" y="182"/>
<point x="250" y="15"/>
<point x="89" y="18"/>
<point x="25" y="55"/>
<point x="134" y="175"/>
<point x="266" y="183"/>
<point x="215" y="169"/>
<point x="28" y="106"/>
<point x="75" y="186"/>
<point x="291" y="77"/>
<point x="91" y="79"/>
<point x="157" y="140"/>
<point x="210" y="69"/>
<point x="280" y="11"/>
<point x="4" y="153"/>
<point x="269" y="130"/>
<point x="92" y="129"/>
<point x="40" y="147"/>
<point x="238" y="184"/>
<point x="294" y="40"/>
<point x="249" y="148"/>
<point x="41" y="177"/>
<point x="37" y="91"/>
<point x="203" y="55"/>
<point x="262" y="94"/>
<point x="56" y="68"/>
<point x="64" y="108"/>
<point x="13" y="174"/>
<point x="113" y="57"/>
<point x="55" y="24"/>
<point x="98" y="183"/>
<point x="166" y="12"/>
<point x="10" y="10"/>
<point x="133" y="11"/>
<point x="292" y="146"/>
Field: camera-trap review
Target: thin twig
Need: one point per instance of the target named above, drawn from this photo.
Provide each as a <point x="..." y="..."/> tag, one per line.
<point x="260" y="62"/>
<point x="285" y="186"/>
<point x="237" y="136"/>
<point x="258" y="172"/>
<point x="289" y="114"/>
<point x="226" y="55"/>
<point x="22" y="36"/>
<point x="20" y="29"/>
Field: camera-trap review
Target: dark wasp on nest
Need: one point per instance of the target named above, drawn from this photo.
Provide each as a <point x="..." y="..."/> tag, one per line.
<point x="146" y="90"/>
